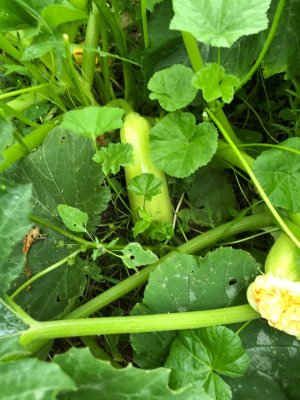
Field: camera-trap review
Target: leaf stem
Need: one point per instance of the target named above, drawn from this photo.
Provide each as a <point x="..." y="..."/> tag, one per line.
<point x="44" y="272"/>
<point x="137" y="324"/>
<point x="266" y="46"/>
<point x="255" y="182"/>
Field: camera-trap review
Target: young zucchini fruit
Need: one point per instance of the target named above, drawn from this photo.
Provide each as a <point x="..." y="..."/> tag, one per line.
<point x="276" y="294"/>
<point x="135" y="131"/>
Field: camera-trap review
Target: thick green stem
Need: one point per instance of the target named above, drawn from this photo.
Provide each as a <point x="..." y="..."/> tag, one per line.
<point x="32" y="140"/>
<point x="193" y="246"/>
<point x="91" y="41"/>
<point x="137" y="324"/>
<point x="266" y="44"/>
<point x="17" y="114"/>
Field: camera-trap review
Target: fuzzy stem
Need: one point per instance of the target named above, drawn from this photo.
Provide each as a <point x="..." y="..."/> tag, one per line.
<point x="137" y="324"/>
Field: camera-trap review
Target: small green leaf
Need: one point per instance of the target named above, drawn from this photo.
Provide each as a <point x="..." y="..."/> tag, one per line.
<point x="172" y="87"/>
<point x="220" y="23"/>
<point x="214" y="83"/>
<point x="146" y="185"/>
<point x="73" y="218"/>
<point x="198" y="356"/>
<point x="97" y="379"/>
<point x="114" y="156"/>
<point x="278" y="172"/>
<point x="178" y="146"/>
<point x="136" y="256"/>
<point x="93" y="121"/>
<point x="14" y="224"/>
<point x="33" y="379"/>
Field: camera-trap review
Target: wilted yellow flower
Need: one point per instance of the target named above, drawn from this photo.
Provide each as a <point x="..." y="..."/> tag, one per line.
<point x="277" y="300"/>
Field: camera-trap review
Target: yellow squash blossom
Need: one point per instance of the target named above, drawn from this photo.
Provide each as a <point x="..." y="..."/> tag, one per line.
<point x="277" y="300"/>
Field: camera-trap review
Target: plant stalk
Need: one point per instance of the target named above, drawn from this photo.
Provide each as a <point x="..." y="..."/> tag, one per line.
<point x="137" y="324"/>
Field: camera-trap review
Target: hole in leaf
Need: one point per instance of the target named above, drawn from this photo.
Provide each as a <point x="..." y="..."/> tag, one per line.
<point x="232" y="281"/>
<point x="132" y="257"/>
<point x="58" y="299"/>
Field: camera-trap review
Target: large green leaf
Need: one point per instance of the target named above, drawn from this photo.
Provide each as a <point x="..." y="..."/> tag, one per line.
<point x="32" y="379"/>
<point x="220" y="23"/>
<point x="14" y="224"/>
<point x="178" y="146"/>
<point x="278" y="171"/>
<point x="97" y="379"/>
<point x="199" y="356"/>
<point x="62" y="172"/>
<point x="274" y="365"/>
<point x="283" y="55"/>
<point x="188" y="283"/>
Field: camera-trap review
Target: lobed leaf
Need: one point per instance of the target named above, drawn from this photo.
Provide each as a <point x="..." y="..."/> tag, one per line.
<point x="215" y="83"/>
<point x="172" y="87"/>
<point x="220" y="23"/>
<point x="198" y="356"/>
<point x="188" y="283"/>
<point x="178" y="146"/>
